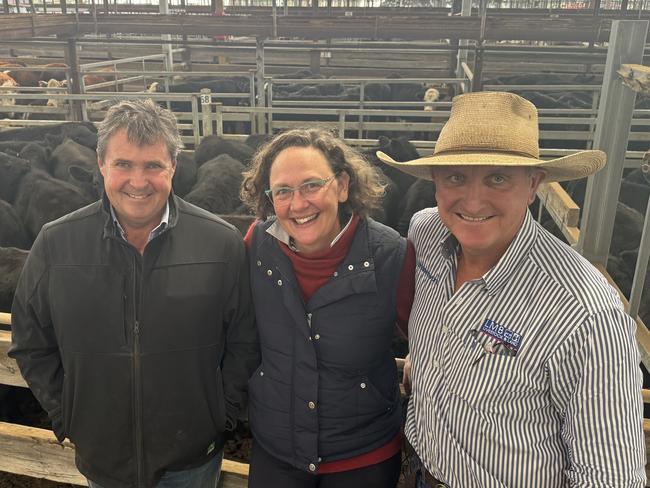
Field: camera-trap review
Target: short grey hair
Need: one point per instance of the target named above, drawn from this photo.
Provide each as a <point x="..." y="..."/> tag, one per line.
<point x="145" y="122"/>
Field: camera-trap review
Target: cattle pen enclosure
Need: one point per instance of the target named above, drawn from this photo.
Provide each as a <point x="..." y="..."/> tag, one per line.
<point x="271" y="69"/>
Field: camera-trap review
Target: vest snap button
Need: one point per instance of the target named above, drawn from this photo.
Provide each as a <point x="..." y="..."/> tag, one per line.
<point x="259" y="263"/>
<point x="279" y="282"/>
<point x="350" y="267"/>
<point x="269" y="272"/>
<point x="312" y="467"/>
<point x="363" y="385"/>
<point x="366" y="264"/>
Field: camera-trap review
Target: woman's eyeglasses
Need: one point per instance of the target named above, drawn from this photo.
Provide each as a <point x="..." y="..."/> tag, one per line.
<point x="282" y="195"/>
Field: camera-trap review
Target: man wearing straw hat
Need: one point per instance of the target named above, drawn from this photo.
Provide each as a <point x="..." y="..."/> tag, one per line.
<point x="525" y="369"/>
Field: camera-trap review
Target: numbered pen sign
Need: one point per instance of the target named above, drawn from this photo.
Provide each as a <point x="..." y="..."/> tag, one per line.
<point x="206" y="99"/>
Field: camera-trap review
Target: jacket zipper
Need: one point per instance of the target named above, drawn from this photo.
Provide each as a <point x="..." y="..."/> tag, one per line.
<point x="136" y="376"/>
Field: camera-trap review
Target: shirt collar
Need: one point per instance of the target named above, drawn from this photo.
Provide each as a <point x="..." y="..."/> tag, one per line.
<point x="277" y="231"/>
<point x="164" y="221"/>
<point x="517" y="252"/>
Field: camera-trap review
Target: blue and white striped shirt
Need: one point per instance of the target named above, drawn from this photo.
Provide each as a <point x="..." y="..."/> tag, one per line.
<point x="526" y="377"/>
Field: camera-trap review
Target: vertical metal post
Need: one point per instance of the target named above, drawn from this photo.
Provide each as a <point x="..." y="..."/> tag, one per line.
<point x="626" y="43"/>
<point x="166" y="47"/>
<point x="186" y="55"/>
<point x="5" y="6"/>
<point x="362" y="97"/>
<point x="219" y="117"/>
<point x="64" y="7"/>
<point x="259" y="61"/>
<point x="314" y="61"/>
<point x="196" y="126"/>
<point x="286" y="7"/>
<point x="595" y="100"/>
<point x="596" y="7"/>
<point x="74" y="83"/>
<point x="466" y="11"/>
<point x="269" y="100"/>
<point x="251" y="101"/>
<point x="206" y="111"/>
<point x="274" y="13"/>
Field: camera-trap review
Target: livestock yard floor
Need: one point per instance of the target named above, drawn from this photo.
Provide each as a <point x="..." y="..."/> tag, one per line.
<point x="16" y="481"/>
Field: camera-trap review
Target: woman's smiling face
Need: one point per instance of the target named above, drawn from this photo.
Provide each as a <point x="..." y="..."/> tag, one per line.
<point x="312" y="221"/>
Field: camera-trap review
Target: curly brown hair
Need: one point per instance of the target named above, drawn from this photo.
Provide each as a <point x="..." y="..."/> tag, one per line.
<point x="366" y="188"/>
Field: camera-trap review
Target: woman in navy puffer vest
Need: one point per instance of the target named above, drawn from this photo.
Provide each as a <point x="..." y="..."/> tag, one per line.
<point x="329" y="285"/>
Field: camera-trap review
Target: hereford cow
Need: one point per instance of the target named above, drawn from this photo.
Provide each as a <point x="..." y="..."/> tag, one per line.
<point x="9" y="85"/>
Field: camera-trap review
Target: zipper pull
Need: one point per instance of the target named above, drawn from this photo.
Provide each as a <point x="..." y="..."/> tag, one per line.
<point x="309" y="320"/>
<point x="136" y="329"/>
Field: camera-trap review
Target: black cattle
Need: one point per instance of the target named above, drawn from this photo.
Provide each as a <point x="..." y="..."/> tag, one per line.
<point x="12" y="170"/>
<point x="400" y="150"/>
<point x="388" y="212"/>
<point x="37" y="154"/>
<point x="77" y="164"/>
<point x="36" y="196"/>
<point x="635" y="195"/>
<point x="185" y="174"/>
<point x="84" y="133"/>
<point x="42" y="198"/>
<point x="212" y="146"/>
<point x="628" y="225"/>
<point x="255" y="141"/>
<point x="241" y="221"/>
<point x="421" y="194"/>
<point x="217" y="86"/>
<point x="217" y="186"/>
<point x="638" y="176"/>
<point x="618" y="269"/>
<point x="13" y="232"/>
<point x="12" y="261"/>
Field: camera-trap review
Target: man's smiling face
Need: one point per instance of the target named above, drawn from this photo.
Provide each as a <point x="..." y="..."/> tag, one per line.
<point x="137" y="180"/>
<point x="484" y="206"/>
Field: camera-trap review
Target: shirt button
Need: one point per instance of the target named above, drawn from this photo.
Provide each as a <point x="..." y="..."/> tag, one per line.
<point x="312" y="467"/>
<point x="445" y="329"/>
<point x="435" y="363"/>
<point x="269" y="272"/>
<point x="366" y="264"/>
<point x="350" y="267"/>
<point x="316" y="336"/>
<point x="312" y="405"/>
<point x="279" y="282"/>
<point x="362" y="385"/>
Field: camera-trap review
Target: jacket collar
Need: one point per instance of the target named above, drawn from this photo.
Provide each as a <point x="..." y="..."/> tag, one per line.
<point x="112" y="228"/>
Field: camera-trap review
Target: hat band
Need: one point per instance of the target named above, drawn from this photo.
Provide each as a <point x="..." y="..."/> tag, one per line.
<point x="465" y="150"/>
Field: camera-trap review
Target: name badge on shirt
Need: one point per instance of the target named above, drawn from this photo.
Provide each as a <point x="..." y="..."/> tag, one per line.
<point x="506" y="341"/>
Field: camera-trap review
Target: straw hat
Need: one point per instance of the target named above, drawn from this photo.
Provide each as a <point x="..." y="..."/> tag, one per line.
<point x="496" y="129"/>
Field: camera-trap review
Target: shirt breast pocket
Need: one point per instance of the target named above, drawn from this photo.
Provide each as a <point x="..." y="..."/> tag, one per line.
<point x="479" y="376"/>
